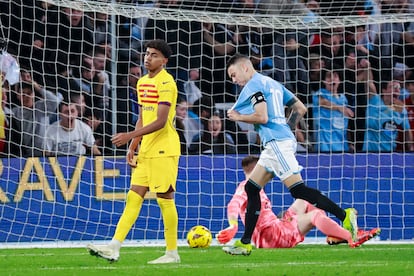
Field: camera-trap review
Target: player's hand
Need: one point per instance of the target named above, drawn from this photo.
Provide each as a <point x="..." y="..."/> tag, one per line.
<point x="120" y="139"/>
<point x="225" y="235"/>
<point x="233" y="114"/>
<point x="131" y="159"/>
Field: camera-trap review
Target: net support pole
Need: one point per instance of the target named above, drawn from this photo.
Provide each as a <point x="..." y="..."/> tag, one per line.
<point x="114" y="59"/>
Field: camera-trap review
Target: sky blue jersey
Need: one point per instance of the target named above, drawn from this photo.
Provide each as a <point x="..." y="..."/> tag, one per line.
<point x="330" y="126"/>
<point x="382" y="126"/>
<point x="277" y="97"/>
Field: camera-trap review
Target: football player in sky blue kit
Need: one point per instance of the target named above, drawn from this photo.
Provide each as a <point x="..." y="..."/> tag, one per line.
<point x="262" y="102"/>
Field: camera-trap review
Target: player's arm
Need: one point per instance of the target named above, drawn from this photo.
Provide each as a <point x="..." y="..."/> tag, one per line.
<point x="134" y="146"/>
<point x="297" y="111"/>
<point x="259" y="116"/>
<point x="233" y="210"/>
<point x="120" y="139"/>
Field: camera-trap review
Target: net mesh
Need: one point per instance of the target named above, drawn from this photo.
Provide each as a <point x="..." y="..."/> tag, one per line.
<point x="90" y="53"/>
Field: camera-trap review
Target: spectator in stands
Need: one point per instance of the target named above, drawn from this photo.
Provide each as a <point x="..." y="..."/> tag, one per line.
<point x="94" y="119"/>
<point x="303" y="136"/>
<point x="36" y="55"/>
<point x="131" y="37"/>
<point x="385" y="117"/>
<point x="278" y="7"/>
<point x="92" y="82"/>
<point x="401" y="73"/>
<point x="409" y="52"/>
<point x="198" y="116"/>
<point x="69" y="135"/>
<point x="331" y="114"/>
<point x="4" y="114"/>
<point x="392" y="40"/>
<point x="241" y="6"/>
<point x="214" y="139"/>
<point x="180" y="121"/>
<point x="135" y="73"/>
<point x="316" y="64"/>
<point x="78" y="99"/>
<point x="304" y="131"/>
<point x="34" y="115"/>
<point x="62" y="29"/>
<point x="331" y="47"/>
<point x="409" y="105"/>
<point x="99" y="60"/>
<point x="63" y="81"/>
<point x="219" y="42"/>
<point x="357" y="37"/>
<point x="357" y="84"/>
<point x="342" y="7"/>
<point x="101" y="25"/>
<point x="260" y="42"/>
<point x="8" y="136"/>
<point x="127" y="104"/>
<point x="313" y="6"/>
<point x="183" y="37"/>
<point x="192" y="86"/>
<point x="290" y="46"/>
<point x="290" y="49"/>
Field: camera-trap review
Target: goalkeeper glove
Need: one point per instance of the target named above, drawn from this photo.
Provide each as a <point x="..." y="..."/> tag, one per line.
<point x="225" y="235"/>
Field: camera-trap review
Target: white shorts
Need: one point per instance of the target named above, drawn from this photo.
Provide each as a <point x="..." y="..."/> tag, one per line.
<point x="279" y="158"/>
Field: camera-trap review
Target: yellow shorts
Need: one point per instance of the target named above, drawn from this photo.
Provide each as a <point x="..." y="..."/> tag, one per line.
<point x="158" y="174"/>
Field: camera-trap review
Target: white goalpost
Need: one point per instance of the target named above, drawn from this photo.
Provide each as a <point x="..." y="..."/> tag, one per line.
<point x="89" y="51"/>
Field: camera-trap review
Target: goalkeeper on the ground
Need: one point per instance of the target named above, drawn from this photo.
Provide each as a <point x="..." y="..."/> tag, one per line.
<point x="288" y="231"/>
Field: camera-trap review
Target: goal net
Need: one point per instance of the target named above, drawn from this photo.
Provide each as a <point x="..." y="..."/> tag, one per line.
<point x="350" y="62"/>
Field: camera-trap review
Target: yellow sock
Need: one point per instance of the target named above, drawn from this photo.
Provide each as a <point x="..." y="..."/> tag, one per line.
<point x="129" y="216"/>
<point x="170" y="219"/>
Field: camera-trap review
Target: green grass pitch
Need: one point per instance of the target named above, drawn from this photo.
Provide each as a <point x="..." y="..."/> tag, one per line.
<point x="305" y="259"/>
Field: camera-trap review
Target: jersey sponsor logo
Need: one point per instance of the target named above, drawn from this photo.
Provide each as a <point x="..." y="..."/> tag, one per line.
<point x="390" y="125"/>
<point x="148" y="108"/>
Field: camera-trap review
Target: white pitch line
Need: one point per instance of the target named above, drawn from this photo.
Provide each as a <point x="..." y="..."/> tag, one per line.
<point x="229" y="265"/>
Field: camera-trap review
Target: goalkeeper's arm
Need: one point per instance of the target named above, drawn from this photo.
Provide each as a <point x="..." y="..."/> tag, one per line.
<point x="233" y="210"/>
<point x="225" y="235"/>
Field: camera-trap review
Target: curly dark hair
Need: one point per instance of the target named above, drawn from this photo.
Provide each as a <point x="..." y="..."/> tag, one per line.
<point x="161" y="46"/>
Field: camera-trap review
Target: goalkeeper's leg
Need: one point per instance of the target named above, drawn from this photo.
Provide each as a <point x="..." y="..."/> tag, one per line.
<point x="328" y="226"/>
<point x="300" y="190"/>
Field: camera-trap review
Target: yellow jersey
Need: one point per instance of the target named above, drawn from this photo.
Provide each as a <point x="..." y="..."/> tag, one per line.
<point x="152" y="92"/>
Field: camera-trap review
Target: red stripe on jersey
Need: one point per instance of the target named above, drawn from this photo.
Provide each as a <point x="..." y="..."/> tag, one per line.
<point x="146" y="85"/>
<point x="148" y="96"/>
<point x="148" y="90"/>
<point x="149" y="101"/>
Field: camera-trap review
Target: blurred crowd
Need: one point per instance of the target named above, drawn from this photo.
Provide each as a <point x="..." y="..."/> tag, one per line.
<point x="78" y="74"/>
